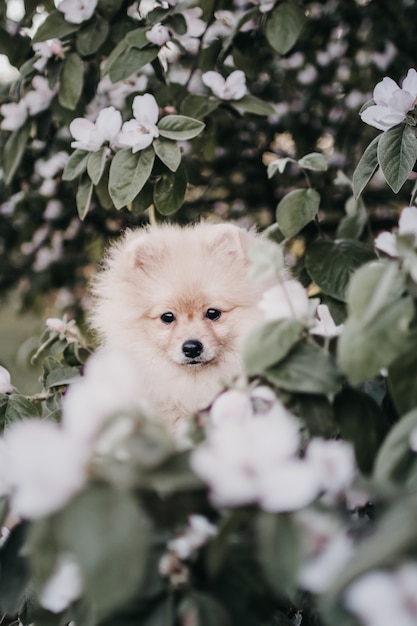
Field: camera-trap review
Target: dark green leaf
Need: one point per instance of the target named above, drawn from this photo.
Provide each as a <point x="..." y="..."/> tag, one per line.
<point x="197" y="106"/>
<point x="179" y="127"/>
<point x="269" y="343"/>
<point x="169" y="153"/>
<point x="307" y="369"/>
<point x="178" y="23"/>
<point x="13" y="152"/>
<point x="202" y="609"/>
<point x="331" y="264"/>
<point x="397" y="154"/>
<point x="128" y="174"/>
<point x="362" y="422"/>
<point x="129" y="61"/>
<point x="137" y="38"/>
<point x="83" y="197"/>
<point x="279" y="555"/>
<point x="317" y="413"/>
<point x="76" y="164"/>
<point x="252" y="104"/>
<point x="54" y="27"/>
<point x="296" y="209"/>
<point x="15" y="407"/>
<point x="109" y="8"/>
<point x="284" y="26"/>
<point x="14" y="571"/>
<point x="366" y="167"/>
<point x="170" y="190"/>
<point x="92" y="36"/>
<point x="71" y="81"/>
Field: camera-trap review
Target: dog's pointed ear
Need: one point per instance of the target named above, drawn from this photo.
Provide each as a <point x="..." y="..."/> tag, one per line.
<point x="142" y="250"/>
<point x="228" y="239"/>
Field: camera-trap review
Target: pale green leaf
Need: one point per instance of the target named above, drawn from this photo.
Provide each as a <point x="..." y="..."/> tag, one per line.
<point x="314" y="161"/>
<point x="179" y="127"/>
<point x="397" y="154"/>
<point x="296" y="210"/>
<point x="284" y="26"/>
<point x="13" y="151"/>
<point x="366" y="167"/>
<point x="76" y="164"/>
<point x="197" y="106"/>
<point x="252" y="104"/>
<point x="71" y="81"/>
<point x="130" y="60"/>
<point x="269" y="343"/>
<point x="128" y="174"/>
<point x="83" y="197"/>
<point x="54" y="27"/>
<point x="96" y="164"/>
<point x="169" y="153"/>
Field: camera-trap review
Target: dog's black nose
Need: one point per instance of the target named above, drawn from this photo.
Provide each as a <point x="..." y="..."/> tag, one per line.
<point x="192" y="348"/>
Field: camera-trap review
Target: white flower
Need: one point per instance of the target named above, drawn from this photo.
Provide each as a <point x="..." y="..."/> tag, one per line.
<point x="45" y="50"/>
<point x="15" y="115"/>
<point x="232" y="404"/>
<point x="140" y="132"/>
<point x="49" y="168"/>
<point x="288" y="487"/>
<point x="391" y="103"/>
<point x="63" y="587"/>
<point x="146" y="6"/>
<point x="46" y="467"/>
<point x="92" y="135"/>
<point x="231" y="88"/>
<point x="109" y="385"/>
<point x="5" y="381"/>
<point x="56" y="325"/>
<point x="199" y="531"/>
<point x="328" y="551"/>
<point x="407" y="225"/>
<point x="40" y="97"/>
<point x="286" y="300"/>
<point x="334" y="463"/>
<point x="383" y="598"/>
<point x="325" y="325"/>
<point x="158" y="34"/>
<point x="77" y="11"/>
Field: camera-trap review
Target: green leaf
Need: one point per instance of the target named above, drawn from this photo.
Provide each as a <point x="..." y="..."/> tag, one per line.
<point x="109" y="8"/>
<point x="102" y="188"/>
<point x="170" y="190"/>
<point x="352" y="226"/>
<point x="92" y="36"/>
<point x="179" y="127"/>
<point x="197" y="106"/>
<point x="331" y="264"/>
<point x="76" y="164"/>
<point x="397" y="154"/>
<point x="13" y="152"/>
<point x="307" y="369"/>
<point x="269" y="343"/>
<point x="15" y="407"/>
<point x="107" y="534"/>
<point x="62" y="376"/>
<point x="129" y="61"/>
<point x="128" y="174"/>
<point x="278" y="544"/>
<point x="362" y="422"/>
<point x="169" y="153"/>
<point x="96" y="164"/>
<point x="137" y="38"/>
<point x="395" y="456"/>
<point x="71" y="81"/>
<point x="83" y="197"/>
<point x="297" y="209"/>
<point x="402" y="378"/>
<point x="366" y="167"/>
<point x="252" y="104"/>
<point x="376" y="331"/>
<point x="202" y="609"/>
<point x="284" y="26"/>
<point x="54" y="27"/>
<point x="15" y="571"/>
<point x="314" y="161"/>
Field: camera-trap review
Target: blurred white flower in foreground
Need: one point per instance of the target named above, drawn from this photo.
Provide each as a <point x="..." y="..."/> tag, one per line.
<point x="92" y="135"/>
<point x="198" y="532"/>
<point x="77" y="11"/>
<point x="384" y="598"/>
<point x="14" y="115"/>
<point x="392" y="103"/>
<point x="45" y="467"/>
<point x="63" y="587"/>
<point x="40" y="97"/>
<point x="45" y="50"/>
<point x="327" y="548"/>
<point x="286" y="300"/>
<point x="407" y="225"/>
<point x="251" y="455"/>
<point x="325" y="325"/>
<point x="140" y="132"/>
<point x="231" y="88"/>
<point x="5" y="381"/>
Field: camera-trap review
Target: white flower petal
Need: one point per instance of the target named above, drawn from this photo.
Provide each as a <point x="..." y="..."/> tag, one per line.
<point x="381" y="117"/>
<point x="387" y="242"/>
<point x="215" y="82"/>
<point x="289" y="487"/>
<point x="407" y="223"/>
<point x="287" y="300"/>
<point x="145" y="109"/>
<point x="5" y="381"/>
<point x="63" y="587"/>
<point x="384" y="89"/>
<point x="410" y="82"/>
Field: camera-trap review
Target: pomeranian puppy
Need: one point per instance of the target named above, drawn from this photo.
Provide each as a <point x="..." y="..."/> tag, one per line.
<point x="180" y="301"/>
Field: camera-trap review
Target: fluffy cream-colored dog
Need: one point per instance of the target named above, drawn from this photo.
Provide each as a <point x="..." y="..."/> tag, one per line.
<point x="180" y="301"/>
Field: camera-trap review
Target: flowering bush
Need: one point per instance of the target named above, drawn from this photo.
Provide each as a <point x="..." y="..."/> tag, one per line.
<point x="291" y="499"/>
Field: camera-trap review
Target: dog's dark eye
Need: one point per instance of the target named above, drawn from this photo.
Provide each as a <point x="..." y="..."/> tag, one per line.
<point x="168" y="317"/>
<point x="213" y="314"/>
